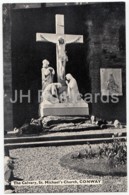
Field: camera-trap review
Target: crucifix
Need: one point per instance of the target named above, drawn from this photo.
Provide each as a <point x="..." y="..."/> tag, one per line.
<point x="60" y="39"/>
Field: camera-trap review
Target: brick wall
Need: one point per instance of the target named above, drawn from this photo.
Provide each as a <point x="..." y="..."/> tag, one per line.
<point x="8" y="112"/>
<point x="107" y="50"/>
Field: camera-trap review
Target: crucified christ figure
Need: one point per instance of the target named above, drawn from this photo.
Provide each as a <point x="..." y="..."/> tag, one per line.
<point x="62" y="57"/>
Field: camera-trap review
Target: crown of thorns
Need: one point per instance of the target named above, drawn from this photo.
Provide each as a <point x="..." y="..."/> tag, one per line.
<point x="61" y="40"/>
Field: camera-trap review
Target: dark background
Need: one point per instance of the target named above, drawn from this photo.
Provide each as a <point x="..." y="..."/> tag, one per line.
<point x="103" y="28"/>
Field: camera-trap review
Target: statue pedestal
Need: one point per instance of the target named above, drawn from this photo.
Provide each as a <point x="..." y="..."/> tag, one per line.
<point x="64" y="109"/>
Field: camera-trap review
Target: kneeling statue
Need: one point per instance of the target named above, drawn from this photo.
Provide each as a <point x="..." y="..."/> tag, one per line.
<point x="72" y="90"/>
<point x="50" y="94"/>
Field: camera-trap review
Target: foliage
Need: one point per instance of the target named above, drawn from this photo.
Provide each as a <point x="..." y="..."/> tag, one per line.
<point x="115" y="153"/>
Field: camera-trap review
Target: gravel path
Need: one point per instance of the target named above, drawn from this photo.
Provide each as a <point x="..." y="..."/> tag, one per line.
<point x="42" y="163"/>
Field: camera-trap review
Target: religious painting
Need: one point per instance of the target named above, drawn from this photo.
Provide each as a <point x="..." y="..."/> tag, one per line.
<point x="111" y="81"/>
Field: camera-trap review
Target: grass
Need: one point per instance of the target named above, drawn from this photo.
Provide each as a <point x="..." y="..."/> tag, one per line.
<point x="95" y="166"/>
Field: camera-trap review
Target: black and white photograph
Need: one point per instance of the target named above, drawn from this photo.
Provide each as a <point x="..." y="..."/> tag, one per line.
<point x="64" y="77"/>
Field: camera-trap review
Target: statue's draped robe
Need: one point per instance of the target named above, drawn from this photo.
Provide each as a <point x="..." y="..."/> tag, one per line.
<point x="50" y="95"/>
<point x="47" y="77"/>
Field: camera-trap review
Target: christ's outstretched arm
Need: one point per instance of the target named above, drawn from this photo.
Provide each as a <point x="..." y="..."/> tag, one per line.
<point x="73" y="40"/>
<point x="48" y="39"/>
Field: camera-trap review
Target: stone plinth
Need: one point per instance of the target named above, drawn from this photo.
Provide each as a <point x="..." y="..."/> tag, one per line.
<point x="64" y="109"/>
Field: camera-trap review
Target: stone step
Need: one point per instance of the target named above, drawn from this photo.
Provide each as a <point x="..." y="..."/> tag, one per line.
<point x="66" y="136"/>
<point x="60" y="142"/>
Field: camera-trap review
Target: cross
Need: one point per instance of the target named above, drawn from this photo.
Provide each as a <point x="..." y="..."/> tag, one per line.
<point x="61" y="56"/>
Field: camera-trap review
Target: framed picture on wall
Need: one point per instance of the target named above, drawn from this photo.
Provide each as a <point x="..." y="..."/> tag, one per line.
<point x="111" y="81"/>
